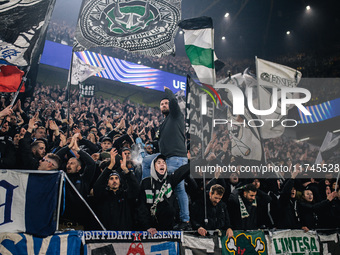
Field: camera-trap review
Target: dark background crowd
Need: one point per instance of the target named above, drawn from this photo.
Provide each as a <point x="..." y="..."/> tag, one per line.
<point x="95" y="140"/>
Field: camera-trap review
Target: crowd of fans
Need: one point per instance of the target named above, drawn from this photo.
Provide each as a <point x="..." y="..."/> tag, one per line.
<point x="103" y="147"/>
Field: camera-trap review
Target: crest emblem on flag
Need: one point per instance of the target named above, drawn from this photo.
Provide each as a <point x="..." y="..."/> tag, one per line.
<point x="147" y="27"/>
<point x="242" y="244"/>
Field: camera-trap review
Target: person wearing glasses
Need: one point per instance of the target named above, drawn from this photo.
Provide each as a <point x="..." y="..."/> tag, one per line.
<point x="49" y="162"/>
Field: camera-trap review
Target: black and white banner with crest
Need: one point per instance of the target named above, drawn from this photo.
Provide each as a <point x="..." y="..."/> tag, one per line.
<point x="143" y="26"/>
<point x="23" y="23"/>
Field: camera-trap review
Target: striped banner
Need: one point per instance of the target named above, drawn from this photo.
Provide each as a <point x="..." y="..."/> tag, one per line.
<point x="321" y="112"/>
<point x="121" y="70"/>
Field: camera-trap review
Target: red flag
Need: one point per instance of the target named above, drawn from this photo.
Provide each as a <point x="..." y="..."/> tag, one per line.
<point x="10" y="78"/>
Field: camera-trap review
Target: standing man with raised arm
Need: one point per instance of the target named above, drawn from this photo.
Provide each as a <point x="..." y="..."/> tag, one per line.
<point x="172" y="144"/>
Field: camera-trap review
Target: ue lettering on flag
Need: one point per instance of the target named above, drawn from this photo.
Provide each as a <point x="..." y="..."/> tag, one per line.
<point x="28" y="202"/>
<point x="10" y="78"/>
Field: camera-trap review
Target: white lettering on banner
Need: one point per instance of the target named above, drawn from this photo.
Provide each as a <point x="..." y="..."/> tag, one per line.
<point x="178" y="84"/>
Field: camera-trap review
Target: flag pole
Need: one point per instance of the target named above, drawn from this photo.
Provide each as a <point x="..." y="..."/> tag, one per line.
<point x="84" y="201"/>
<point x="62" y="176"/>
<point x="68" y="88"/>
<point x="24" y="79"/>
<point x="204" y="184"/>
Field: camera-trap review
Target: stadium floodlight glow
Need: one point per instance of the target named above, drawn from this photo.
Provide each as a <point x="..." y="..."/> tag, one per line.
<point x="181" y="32"/>
<point x="336" y="131"/>
<point x="288" y="32"/>
<point x="226" y="15"/>
<point x="303" y="139"/>
<point x="307" y="7"/>
<point x="223" y="37"/>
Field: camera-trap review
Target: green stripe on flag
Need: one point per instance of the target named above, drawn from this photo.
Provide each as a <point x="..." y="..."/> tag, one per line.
<point x="200" y="56"/>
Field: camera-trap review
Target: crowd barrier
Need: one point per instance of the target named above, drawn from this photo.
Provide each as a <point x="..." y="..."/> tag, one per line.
<point x="263" y="242"/>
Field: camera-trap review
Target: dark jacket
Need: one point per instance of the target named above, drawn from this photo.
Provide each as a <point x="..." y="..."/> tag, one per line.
<point x="150" y="188"/>
<point x="218" y="216"/>
<point x="115" y="209"/>
<point x="28" y="160"/>
<point x="289" y="216"/>
<point x="258" y="213"/>
<point x="172" y="130"/>
<point x="7" y="153"/>
<point x="74" y="207"/>
<point x="309" y="212"/>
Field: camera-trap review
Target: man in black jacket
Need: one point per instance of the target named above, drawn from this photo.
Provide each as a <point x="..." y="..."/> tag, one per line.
<point x="172" y="145"/>
<point x="114" y="204"/>
<point x="289" y="216"/>
<point x="81" y="178"/>
<point x="217" y="213"/>
<point x="248" y="208"/>
<point x="157" y="208"/>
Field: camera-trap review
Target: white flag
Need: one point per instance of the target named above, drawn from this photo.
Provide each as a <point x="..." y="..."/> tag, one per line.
<point x="81" y="71"/>
<point x="329" y="144"/>
<point x="271" y="75"/>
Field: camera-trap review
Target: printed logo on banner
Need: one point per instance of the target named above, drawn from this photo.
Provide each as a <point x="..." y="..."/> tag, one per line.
<point x="131" y="25"/>
<point x="243" y="244"/>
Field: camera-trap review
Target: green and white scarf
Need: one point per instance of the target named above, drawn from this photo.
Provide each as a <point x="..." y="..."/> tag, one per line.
<point x="243" y="209"/>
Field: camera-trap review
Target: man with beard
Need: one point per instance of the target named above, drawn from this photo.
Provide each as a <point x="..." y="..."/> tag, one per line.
<point x="172" y="145"/>
<point x="81" y="177"/>
<point x="31" y="153"/>
<point x="217" y="213"/>
<point x="157" y="209"/>
<point x="248" y="207"/>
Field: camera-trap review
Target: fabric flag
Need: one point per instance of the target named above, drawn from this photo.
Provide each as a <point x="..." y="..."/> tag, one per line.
<point x="67" y="243"/>
<point x="147" y="27"/>
<point x="22" y="25"/>
<point x="10" y="78"/>
<point x="250" y="242"/>
<point x="28" y="202"/>
<point x="244" y="135"/>
<point x="329" y="145"/>
<point x="81" y="71"/>
<point x="271" y="75"/>
<point x="198" y="126"/>
<point x="329" y="244"/>
<point x="199" y="245"/>
<point x="199" y="46"/>
<point x="291" y="242"/>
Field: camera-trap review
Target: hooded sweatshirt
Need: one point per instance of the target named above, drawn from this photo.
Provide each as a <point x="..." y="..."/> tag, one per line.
<point x="150" y="188"/>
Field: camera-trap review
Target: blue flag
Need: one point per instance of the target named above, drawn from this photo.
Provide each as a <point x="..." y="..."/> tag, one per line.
<point x="28" y="202"/>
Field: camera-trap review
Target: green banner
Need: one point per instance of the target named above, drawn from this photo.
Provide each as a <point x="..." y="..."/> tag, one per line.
<point x="244" y="243"/>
